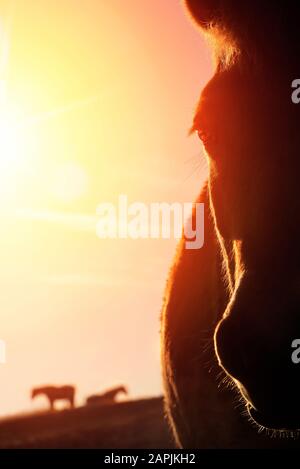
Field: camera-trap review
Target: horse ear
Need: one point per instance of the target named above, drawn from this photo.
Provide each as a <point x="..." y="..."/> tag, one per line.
<point x="203" y="11"/>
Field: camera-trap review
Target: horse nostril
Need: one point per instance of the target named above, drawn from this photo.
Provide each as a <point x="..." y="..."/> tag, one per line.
<point x="229" y="350"/>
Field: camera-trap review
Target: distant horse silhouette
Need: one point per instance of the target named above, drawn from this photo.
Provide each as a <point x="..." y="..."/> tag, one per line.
<point x="231" y="308"/>
<point x="55" y="393"/>
<point x="109" y="397"/>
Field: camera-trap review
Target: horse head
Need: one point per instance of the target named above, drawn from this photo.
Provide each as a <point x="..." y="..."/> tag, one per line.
<point x="248" y="125"/>
<point x="34" y="393"/>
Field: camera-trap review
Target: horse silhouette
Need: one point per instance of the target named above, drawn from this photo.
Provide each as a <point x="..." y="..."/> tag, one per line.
<point x="108" y="397"/>
<point x="231" y="309"/>
<point x="55" y="393"/>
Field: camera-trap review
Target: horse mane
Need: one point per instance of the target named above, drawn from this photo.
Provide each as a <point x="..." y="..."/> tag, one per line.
<point x="250" y="31"/>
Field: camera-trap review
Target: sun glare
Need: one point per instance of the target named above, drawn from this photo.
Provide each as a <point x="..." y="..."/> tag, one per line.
<point x="10" y="143"/>
<point x="14" y="149"/>
<point x="69" y="182"/>
<point x="24" y="157"/>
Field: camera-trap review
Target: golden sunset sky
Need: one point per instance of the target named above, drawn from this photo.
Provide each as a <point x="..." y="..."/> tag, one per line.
<point x="96" y="99"/>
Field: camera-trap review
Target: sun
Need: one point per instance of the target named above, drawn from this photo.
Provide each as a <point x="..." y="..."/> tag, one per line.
<point x="10" y="142"/>
<point x="24" y="157"/>
<point x="13" y="151"/>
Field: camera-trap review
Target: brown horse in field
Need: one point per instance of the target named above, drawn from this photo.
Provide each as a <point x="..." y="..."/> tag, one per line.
<point x="56" y="393"/>
<point x="108" y="397"/>
<point x="232" y="308"/>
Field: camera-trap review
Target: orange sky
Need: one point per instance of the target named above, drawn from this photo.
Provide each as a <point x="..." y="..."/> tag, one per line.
<point x="104" y="93"/>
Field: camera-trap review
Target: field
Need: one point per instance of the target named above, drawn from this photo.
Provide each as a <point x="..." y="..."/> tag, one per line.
<point x="132" y="424"/>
